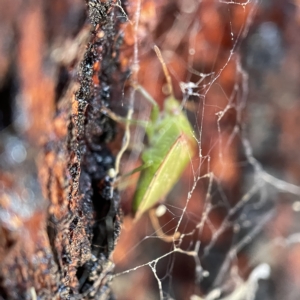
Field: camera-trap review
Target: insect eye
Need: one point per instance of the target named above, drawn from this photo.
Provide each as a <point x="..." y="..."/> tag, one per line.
<point x="175" y="111"/>
<point x="161" y="131"/>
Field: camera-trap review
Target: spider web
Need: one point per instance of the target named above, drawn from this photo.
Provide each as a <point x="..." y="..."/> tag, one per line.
<point x="229" y="205"/>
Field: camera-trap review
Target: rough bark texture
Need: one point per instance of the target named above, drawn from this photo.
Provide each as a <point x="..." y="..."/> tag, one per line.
<point x="64" y="254"/>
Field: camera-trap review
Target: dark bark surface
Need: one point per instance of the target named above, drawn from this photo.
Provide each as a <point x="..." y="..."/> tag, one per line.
<point x="62" y="254"/>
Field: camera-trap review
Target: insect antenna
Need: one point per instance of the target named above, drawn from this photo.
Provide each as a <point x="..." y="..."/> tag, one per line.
<point x="165" y="70"/>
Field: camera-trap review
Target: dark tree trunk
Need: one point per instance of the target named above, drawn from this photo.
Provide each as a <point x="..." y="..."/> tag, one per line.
<point x="66" y="70"/>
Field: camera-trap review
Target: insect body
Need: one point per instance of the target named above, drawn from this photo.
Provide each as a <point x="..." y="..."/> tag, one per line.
<point x="171" y="146"/>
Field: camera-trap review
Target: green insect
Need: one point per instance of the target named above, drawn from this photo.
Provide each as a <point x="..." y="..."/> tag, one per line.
<point x="171" y="145"/>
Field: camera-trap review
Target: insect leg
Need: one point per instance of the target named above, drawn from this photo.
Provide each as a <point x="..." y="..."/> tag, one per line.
<point x="155" y="223"/>
<point x="122" y="120"/>
<point x="149" y="98"/>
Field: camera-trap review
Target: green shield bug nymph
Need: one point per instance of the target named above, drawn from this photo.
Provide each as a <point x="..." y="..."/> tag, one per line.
<point x="171" y="145"/>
